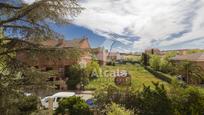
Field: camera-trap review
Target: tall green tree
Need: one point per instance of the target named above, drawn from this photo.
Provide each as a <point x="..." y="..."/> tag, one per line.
<point x="23" y="26"/>
<point x="76" y="76"/>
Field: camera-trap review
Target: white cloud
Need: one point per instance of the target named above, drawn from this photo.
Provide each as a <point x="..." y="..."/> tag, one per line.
<point x="154" y="21"/>
<point x="28" y="1"/>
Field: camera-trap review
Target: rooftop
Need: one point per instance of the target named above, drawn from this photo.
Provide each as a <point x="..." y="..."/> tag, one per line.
<point x="61" y="43"/>
<point x="189" y="57"/>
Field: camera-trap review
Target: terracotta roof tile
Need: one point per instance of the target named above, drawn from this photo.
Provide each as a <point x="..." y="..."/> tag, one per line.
<point x="190" y="57"/>
<point x="61" y="43"/>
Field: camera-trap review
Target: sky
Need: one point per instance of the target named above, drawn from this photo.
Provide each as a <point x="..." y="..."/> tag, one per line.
<point x="134" y="25"/>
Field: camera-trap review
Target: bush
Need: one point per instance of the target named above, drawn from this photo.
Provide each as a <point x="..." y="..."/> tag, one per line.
<point x="159" y="75"/>
<point x="145" y="59"/>
<point x="166" y="66"/>
<point x="187" y="101"/>
<point x="28" y="104"/>
<point x="93" y="70"/>
<point x="154" y="62"/>
<point x="149" y="101"/>
<point x="76" y="75"/>
<point x="152" y="101"/>
<point x="111" y="63"/>
<point x="115" y="109"/>
<point x="73" y="106"/>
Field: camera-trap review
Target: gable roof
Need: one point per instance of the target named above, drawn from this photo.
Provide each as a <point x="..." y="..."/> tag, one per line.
<point x="189" y="57"/>
<point x="61" y="43"/>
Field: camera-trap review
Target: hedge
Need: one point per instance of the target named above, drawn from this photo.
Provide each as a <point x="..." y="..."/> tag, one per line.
<point x="159" y="75"/>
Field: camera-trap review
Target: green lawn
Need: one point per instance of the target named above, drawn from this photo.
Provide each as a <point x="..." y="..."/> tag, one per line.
<point x="139" y="77"/>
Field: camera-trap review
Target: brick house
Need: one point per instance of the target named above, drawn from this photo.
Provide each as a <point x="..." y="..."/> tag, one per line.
<point x="60" y="65"/>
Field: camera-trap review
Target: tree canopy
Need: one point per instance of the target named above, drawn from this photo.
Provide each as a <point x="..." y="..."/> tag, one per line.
<point x="22" y="28"/>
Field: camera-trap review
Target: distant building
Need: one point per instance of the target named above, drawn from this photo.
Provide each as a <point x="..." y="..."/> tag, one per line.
<point x="114" y="56"/>
<point x="153" y="51"/>
<point x="100" y="54"/>
<point x="60" y="65"/>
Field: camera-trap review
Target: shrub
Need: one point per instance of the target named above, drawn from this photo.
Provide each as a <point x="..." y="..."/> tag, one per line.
<point x="178" y="100"/>
<point x="76" y="75"/>
<point x="28" y="104"/>
<point x="159" y="75"/>
<point x="93" y="70"/>
<point x="154" y="62"/>
<point x="145" y="59"/>
<point x="105" y="95"/>
<point x="166" y="66"/>
<point x="187" y="101"/>
<point x="73" y="106"/>
<point x="150" y="101"/>
<point x="115" y="109"/>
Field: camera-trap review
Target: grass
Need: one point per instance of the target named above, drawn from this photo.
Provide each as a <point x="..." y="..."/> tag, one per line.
<point x="139" y="76"/>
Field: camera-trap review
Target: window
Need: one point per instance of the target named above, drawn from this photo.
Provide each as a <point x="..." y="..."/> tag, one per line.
<point x="66" y="69"/>
<point x="48" y="68"/>
<point x="51" y="79"/>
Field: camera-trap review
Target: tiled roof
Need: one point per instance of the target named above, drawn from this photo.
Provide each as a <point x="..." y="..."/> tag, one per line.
<point x="190" y="57"/>
<point x="61" y="43"/>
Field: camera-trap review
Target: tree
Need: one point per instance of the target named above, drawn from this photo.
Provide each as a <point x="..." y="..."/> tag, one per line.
<point x="73" y="106"/>
<point x="154" y="62"/>
<point x="77" y="75"/>
<point x="166" y="65"/>
<point x="145" y="59"/>
<point x="23" y="27"/>
<point x="93" y="70"/>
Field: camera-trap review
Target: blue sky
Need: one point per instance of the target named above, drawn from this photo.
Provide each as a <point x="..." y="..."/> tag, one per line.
<point x="139" y="24"/>
<point x="71" y="31"/>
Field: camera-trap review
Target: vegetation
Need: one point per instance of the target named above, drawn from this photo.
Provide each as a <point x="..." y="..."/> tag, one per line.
<point x="73" y="106"/>
<point x="139" y="76"/>
<point x="93" y="70"/>
<point x="28" y="104"/>
<point x="154" y="62"/>
<point x="188" y="100"/>
<point x="154" y="101"/>
<point x="190" y="72"/>
<point x="115" y="109"/>
<point x="160" y="75"/>
<point x="77" y="76"/>
<point x="194" y="51"/>
<point x="22" y="28"/>
<point x="163" y="63"/>
<point x="145" y="59"/>
<point x="18" y="104"/>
